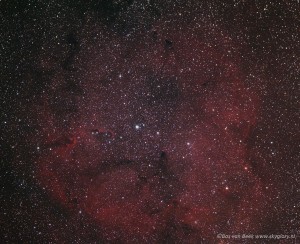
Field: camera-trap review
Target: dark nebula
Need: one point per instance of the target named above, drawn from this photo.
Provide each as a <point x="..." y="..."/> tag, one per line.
<point x="149" y="121"/>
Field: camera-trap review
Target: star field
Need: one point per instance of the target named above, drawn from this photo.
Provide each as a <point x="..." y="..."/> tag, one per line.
<point x="149" y="121"/>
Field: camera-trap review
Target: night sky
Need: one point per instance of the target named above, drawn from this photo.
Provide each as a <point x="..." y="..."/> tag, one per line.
<point x="149" y="121"/>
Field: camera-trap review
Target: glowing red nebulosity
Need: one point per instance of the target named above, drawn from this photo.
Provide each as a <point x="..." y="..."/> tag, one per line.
<point x="156" y="147"/>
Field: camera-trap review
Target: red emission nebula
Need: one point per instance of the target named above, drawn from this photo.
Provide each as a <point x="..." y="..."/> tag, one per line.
<point x="157" y="143"/>
<point x="143" y="135"/>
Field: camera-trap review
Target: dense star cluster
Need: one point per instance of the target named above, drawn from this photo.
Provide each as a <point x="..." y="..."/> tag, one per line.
<point x="149" y="121"/>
